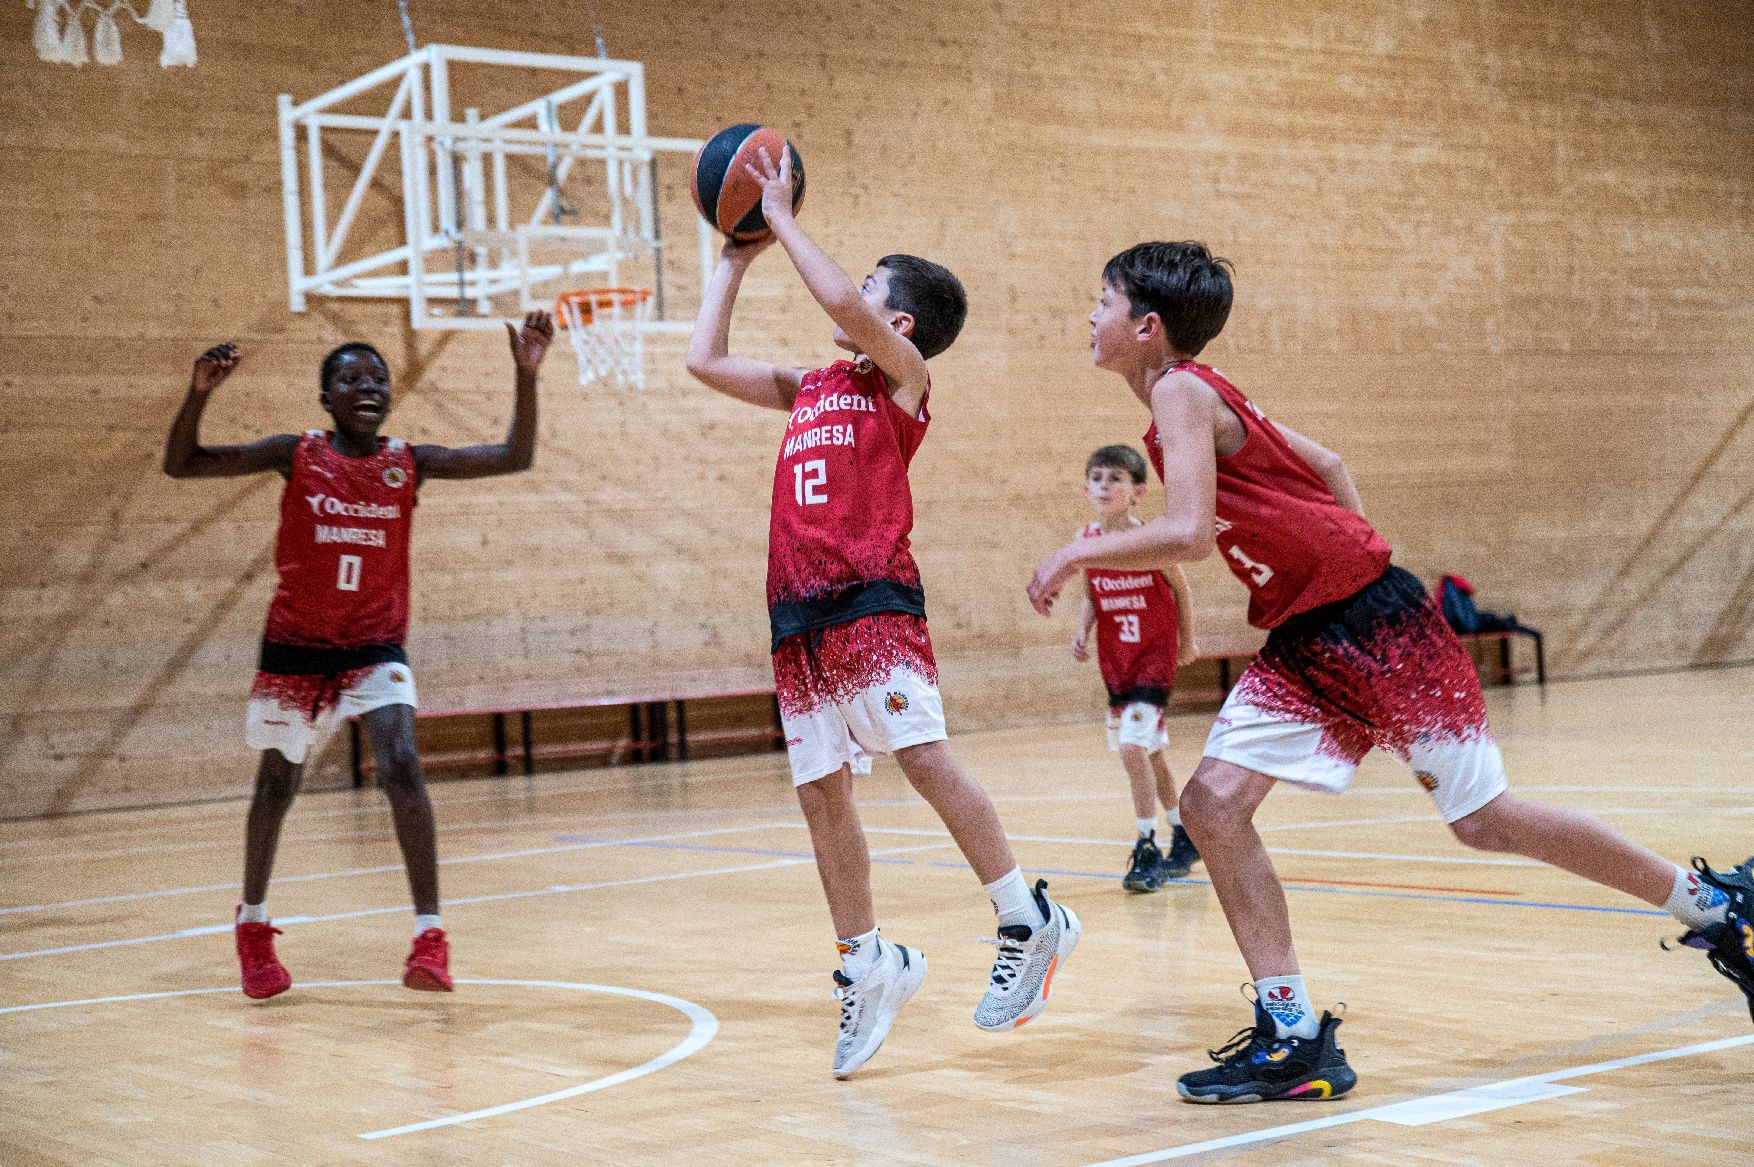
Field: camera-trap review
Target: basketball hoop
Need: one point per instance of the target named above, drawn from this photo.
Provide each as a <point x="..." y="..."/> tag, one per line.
<point x="607" y="326"/>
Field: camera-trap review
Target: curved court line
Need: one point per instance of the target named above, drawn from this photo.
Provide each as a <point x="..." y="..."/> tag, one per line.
<point x="1432" y="1108"/>
<point x="703" y="1027"/>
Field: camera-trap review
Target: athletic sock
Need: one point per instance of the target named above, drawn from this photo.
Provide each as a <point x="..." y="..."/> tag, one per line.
<point x="422" y="923"/>
<point x="1173" y="816"/>
<point x="1287" y="1002"/>
<point x="1695" y="902"/>
<point x="1012" y="900"/>
<point x="1147" y="827"/>
<point x="858" y="954"/>
<point x="253" y="913"/>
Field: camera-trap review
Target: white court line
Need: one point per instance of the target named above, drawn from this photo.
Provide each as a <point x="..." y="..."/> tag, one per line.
<point x="1435" y="1107"/>
<point x="703" y="1027"/>
<point x="556" y="889"/>
<point x="486" y="858"/>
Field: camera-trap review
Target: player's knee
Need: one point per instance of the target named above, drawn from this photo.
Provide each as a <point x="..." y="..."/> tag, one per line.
<point x="1205" y="810"/>
<point x="1485" y="830"/>
<point x="401" y="775"/>
<point x="277" y="781"/>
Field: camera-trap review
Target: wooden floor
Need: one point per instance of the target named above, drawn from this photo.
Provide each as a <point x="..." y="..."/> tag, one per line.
<point x="653" y="942"/>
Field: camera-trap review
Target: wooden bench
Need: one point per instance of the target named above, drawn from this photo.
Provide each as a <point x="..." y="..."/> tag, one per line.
<point x="657" y="724"/>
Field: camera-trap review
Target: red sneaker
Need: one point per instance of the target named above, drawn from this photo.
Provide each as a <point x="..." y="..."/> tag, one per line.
<point x="263" y="974"/>
<point x="429" y="964"/>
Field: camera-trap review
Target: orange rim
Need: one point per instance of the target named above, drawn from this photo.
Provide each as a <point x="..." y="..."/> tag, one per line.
<point x="587" y="300"/>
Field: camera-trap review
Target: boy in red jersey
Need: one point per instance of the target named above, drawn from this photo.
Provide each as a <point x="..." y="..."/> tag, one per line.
<point x="1357" y="656"/>
<point x="1144" y="624"/>
<point x="853" y="664"/>
<point x="333" y="642"/>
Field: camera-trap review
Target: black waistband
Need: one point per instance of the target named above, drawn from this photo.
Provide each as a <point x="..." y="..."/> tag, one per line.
<point x="1395" y="590"/>
<point x="1139" y="694"/>
<point x="300" y="660"/>
<point x="792" y="617"/>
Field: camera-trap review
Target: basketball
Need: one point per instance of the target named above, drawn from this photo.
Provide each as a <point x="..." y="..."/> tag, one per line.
<point x="723" y="191"/>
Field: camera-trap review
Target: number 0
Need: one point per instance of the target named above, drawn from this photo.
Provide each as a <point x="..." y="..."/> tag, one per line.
<point x="347" y="579"/>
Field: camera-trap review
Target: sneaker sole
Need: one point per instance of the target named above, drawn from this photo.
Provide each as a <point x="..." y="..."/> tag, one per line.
<point x="423" y="981"/>
<point x="274" y="992"/>
<point x="913" y="975"/>
<point x="1140" y="885"/>
<point x="1321" y="1088"/>
<point x="1070" y="931"/>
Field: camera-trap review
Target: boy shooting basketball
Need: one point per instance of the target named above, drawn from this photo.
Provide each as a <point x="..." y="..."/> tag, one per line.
<point x="1144" y="625"/>
<point x="333" y="646"/>
<point x="1357" y="656"/>
<point x="852" y="660"/>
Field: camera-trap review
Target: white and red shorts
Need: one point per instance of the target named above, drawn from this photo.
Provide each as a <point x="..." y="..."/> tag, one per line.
<point x="1137" y="723"/>
<point x="855" y="690"/>
<point x="1380" y="668"/>
<point x="289" y="712"/>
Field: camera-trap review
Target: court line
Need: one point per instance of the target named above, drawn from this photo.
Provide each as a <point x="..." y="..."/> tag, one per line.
<point x="1435" y="1107"/>
<point x="703" y="1027"/>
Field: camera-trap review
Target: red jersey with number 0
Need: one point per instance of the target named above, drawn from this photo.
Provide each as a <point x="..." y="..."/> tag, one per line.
<point x="1280" y="530"/>
<point x="842" y="509"/>
<point x="1137" y="632"/>
<point x="342" y="552"/>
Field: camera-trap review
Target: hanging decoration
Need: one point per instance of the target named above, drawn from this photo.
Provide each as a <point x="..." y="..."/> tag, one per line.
<point x="58" y="33"/>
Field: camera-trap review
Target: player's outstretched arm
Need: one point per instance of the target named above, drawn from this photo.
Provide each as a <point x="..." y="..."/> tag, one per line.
<point x="529" y="345"/>
<point x="709" y="348"/>
<point x="892" y="352"/>
<point x="1328" y="465"/>
<point x="1187" y="649"/>
<point x="186" y="457"/>
<point x="1185" y="410"/>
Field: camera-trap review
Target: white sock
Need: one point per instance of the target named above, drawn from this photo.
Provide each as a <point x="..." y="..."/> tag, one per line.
<point x="422" y="923"/>
<point x="254" y="913"/>
<point x="858" y="954"/>
<point x="1287" y="1003"/>
<point x="1013" y="901"/>
<point x="1695" y="902"/>
<point x="1147" y="827"/>
<point x="1173" y="816"/>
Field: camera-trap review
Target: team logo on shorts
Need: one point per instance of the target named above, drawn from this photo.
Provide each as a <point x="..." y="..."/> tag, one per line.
<point x="395" y="476"/>
<point x="1426" y="779"/>
<point x="895" y="702"/>
<point x="398" y="676"/>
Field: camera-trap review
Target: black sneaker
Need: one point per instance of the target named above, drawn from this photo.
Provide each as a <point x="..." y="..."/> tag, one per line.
<point x="1730" y="945"/>
<point x="1257" y="1065"/>
<point x="1181" y="857"/>
<point x="1145" y="871"/>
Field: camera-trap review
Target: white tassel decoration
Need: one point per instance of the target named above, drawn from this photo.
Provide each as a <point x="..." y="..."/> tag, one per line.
<point x="73" y="41"/>
<point x="106" y="42"/>
<point x="158" y="16"/>
<point x="46" y="32"/>
<point x="179" y="40"/>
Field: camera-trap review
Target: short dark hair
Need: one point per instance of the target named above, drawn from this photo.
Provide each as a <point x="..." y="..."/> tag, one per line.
<point x="1120" y="458"/>
<point x="333" y="361"/>
<point x="932" y="295"/>
<point x="1186" y="285"/>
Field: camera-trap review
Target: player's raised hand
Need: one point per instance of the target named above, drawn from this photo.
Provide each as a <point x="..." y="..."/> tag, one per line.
<point x="776" y="184"/>
<point x="742" y="251"/>
<point x="530" y="343"/>
<point x="214" y="366"/>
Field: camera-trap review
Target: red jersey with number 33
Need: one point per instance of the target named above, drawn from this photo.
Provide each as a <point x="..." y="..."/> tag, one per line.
<point x="1137" y="632"/>
<point x="1280" y="530"/>
<point x="342" y="552"/>
<point x="842" y="509"/>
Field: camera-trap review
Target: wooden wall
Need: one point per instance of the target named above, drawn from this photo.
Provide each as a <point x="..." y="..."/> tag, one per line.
<point x="1500" y="256"/>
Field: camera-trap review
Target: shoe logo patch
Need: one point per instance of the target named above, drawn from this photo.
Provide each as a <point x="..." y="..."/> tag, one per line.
<point x="1748" y="939"/>
<point x="895" y="702"/>
<point x="1276" y="1054"/>
<point x="1325" y="1089"/>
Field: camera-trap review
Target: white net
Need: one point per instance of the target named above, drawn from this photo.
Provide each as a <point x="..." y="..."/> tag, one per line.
<point x="607" y="327"/>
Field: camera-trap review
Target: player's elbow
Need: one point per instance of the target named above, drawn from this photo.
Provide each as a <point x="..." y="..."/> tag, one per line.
<point x="1188" y="542"/>
<point x="702" y="367"/>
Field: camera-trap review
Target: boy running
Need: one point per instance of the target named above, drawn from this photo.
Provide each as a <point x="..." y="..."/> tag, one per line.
<point x="1357" y="656"/>
<point x="852" y="660"/>
<point x="1144" y="625"/>
<point x="333" y="643"/>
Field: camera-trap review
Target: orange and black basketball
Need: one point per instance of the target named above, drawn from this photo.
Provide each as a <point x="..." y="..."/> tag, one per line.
<point x="723" y="191"/>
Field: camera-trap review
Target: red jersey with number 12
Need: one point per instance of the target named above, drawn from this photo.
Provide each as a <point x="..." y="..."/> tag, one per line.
<point x="842" y="509"/>
<point x="342" y="552"/>
<point x="1280" y="530"/>
<point x="1137" y="632"/>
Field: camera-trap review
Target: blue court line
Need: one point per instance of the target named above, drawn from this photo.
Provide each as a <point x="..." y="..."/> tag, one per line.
<point x="1289" y="886"/>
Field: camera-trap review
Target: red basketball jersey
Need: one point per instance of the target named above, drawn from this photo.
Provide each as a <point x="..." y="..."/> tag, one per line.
<point x="842" y="509"/>
<point x="1136" y="628"/>
<point x="342" y="551"/>
<point x="1279" y="528"/>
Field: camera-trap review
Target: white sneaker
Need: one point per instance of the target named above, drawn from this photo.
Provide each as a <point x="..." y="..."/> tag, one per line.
<point x="1023" y="973"/>
<point x="868" y="1005"/>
